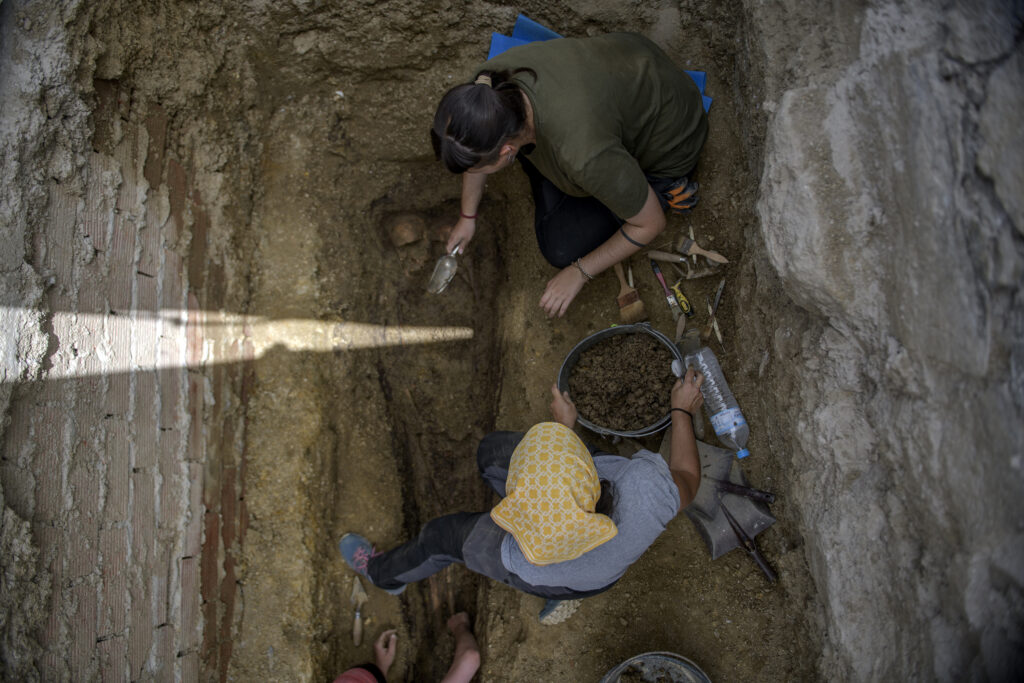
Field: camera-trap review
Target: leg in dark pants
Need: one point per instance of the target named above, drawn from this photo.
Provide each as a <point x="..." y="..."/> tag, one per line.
<point x="437" y="546"/>
<point x="567" y="227"/>
<point x="570" y="227"/>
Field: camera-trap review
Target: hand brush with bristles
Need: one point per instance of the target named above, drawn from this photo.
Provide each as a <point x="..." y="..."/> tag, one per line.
<point x="631" y="308"/>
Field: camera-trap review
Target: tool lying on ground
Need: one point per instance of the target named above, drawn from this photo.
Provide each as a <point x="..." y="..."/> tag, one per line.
<point x="684" y="303"/>
<point x="748" y="543"/>
<point x="687" y="273"/>
<point x="358" y="599"/>
<point x="707" y="512"/>
<point x="712" y="313"/>
<point x="691" y="248"/>
<point x="672" y="303"/>
<point x="631" y="308"/>
<point x="751" y="493"/>
<point x="444" y="271"/>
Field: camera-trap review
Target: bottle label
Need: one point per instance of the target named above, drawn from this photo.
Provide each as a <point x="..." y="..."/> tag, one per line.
<point x="727" y="420"/>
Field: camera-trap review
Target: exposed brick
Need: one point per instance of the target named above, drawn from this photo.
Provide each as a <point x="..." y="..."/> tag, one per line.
<point x="164" y="576"/>
<point x="49" y="425"/>
<point x="210" y="590"/>
<point x="140" y="622"/>
<point x="83" y="523"/>
<point x="156" y="127"/>
<point x="53" y="547"/>
<point x="194" y="530"/>
<point x="113" y="654"/>
<point x="197" y="247"/>
<point x="177" y="193"/>
<point x="144" y="426"/>
<point x="53" y="241"/>
<point x="119" y="471"/>
<point x="82" y="624"/>
<point x="228" y="506"/>
<point x="190" y="667"/>
<point x="18" y="444"/>
<point x="98" y="212"/>
<point x="121" y="255"/>
<point x="196" y="443"/>
<point x="114" y="596"/>
<point x="166" y="653"/>
<point x="227" y="593"/>
<point x="173" y="499"/>
<point x="143" y="518"/>
<point x="210" y="559"/>
<point x="189" y="627"/>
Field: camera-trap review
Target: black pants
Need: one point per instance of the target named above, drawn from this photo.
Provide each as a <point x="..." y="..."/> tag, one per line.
<point x="570" y="227"/>
<point x="470" y="538"/>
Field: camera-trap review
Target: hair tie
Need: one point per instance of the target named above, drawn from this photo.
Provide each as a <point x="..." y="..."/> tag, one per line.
<point x="483" y="79"/>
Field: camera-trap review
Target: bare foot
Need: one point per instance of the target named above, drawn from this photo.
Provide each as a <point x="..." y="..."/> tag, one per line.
<point x="384" y="649"/>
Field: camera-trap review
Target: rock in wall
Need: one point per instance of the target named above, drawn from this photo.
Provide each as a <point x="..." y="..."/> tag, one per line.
<point x="891" y="209"/>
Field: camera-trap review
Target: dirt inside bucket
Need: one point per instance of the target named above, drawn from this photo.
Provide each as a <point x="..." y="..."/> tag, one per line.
<point x="623" y="382"/>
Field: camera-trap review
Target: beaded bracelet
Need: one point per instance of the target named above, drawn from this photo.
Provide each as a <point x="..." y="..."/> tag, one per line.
<point x="579" y="265"/>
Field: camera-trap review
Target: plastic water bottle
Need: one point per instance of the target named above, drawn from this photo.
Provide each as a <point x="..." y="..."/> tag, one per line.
<point x="726" y="418"/>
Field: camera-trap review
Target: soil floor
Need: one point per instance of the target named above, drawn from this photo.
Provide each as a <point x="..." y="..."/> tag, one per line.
<point x="434" y="401"/>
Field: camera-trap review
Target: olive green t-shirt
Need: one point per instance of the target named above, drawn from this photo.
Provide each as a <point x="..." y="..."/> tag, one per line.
<point x="608" y="110"/>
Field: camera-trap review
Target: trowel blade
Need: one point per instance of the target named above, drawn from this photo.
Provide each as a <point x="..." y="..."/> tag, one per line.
<point x="358" y="596"/>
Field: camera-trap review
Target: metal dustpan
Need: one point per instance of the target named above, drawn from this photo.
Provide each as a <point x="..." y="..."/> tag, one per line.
<point x="444" y="271"/>
<point x="705" y="511"/>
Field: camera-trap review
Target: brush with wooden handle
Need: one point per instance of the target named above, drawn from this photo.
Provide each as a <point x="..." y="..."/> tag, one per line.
<point x="631" y="308"/>
<point x="688" y="247"/>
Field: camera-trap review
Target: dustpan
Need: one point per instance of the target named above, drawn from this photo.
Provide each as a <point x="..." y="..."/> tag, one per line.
<point x="706" y="512"/>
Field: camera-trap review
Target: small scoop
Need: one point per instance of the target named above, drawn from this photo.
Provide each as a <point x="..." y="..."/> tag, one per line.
<point x="444" y="271"/>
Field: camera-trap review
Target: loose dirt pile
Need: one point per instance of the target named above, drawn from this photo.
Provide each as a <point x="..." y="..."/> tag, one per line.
<point x="623" y="382"/>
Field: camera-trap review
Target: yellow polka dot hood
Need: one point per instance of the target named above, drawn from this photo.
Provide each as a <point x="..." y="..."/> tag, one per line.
<point x="551" y="491"/>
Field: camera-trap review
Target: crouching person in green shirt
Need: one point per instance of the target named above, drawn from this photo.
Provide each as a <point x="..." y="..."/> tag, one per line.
<point x="608" y="130"/>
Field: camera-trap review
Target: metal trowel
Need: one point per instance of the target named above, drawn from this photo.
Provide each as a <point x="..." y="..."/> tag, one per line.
<point x="358" y="599"/>
<point x="444" y="271"/>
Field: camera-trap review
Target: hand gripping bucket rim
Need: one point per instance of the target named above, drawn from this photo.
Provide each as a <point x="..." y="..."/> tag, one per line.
<point x="586" y="343"/>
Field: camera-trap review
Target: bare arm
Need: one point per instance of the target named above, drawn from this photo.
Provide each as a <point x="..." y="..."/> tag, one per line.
<point x="472" y="193"/>
<point x="684" y="461"/>
<point x="644" y="227"/>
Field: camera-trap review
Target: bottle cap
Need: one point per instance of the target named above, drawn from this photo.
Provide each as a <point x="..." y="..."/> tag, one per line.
<point x="742" y="453"/>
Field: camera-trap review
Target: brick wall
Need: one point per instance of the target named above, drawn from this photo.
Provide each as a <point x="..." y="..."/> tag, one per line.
<point x="125" y="458"/>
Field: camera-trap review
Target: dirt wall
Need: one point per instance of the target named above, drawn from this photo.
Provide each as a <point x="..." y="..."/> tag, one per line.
<point x="890" y="210"/>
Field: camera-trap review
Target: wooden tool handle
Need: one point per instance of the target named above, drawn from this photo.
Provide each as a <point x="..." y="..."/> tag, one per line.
<point x="619" y="273"/>
<point x="357" y="630"/>
<point x="713" y="255"/>
<point x="666" y="256"/>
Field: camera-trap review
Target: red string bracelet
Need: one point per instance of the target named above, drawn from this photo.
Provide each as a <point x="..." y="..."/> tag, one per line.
<point x="467" y="215"/>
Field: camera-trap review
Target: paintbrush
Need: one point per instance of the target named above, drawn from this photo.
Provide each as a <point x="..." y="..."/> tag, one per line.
<point x="631" y="308"/>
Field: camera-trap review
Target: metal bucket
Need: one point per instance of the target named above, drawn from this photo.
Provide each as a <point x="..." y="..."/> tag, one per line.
<point x="659" y="666"/>
<point x="574" y="355"/>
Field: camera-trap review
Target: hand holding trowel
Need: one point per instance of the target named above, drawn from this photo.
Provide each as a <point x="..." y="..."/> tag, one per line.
<point x="358" y="599"/>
